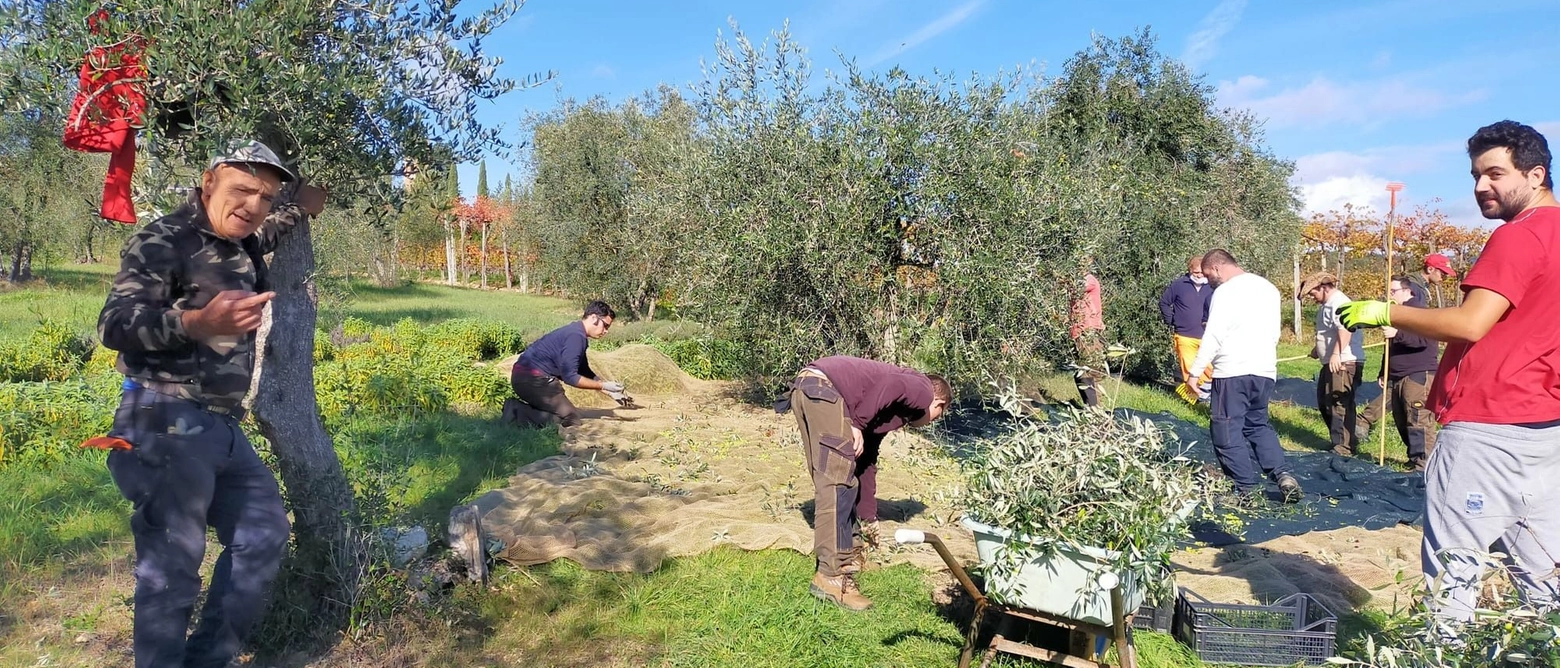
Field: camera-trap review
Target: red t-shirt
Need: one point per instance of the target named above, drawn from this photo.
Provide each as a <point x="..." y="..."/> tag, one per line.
<point x="1088" y="314"/>
<point x="1512" y="375"/>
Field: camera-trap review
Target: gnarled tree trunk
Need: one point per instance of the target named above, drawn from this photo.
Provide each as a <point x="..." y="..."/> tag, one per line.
<point x="328" y="557"/>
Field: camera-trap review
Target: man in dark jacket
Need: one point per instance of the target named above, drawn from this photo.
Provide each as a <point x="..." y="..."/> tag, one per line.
<point x="1410" y="371"/>
<point x="844" y="406"/>
<point x="182" y="312"/>
<point x="556" y="358"/>
<point x="1184" y="307"/>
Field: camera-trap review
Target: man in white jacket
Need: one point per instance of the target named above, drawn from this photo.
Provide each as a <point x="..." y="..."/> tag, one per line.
<point x="1241" y="343"/>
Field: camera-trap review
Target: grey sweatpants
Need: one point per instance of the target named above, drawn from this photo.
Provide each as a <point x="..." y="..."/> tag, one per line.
<point x="1492" y="488"/>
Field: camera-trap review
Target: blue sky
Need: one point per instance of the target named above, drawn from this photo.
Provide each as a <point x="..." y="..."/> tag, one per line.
<point x="1355" y="93"/>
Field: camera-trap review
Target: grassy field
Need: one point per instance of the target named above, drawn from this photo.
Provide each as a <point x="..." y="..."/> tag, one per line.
<point x="65" y="552"/>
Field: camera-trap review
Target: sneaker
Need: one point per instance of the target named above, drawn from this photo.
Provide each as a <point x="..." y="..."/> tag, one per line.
<point x="1290" y="488"/>
<point x="840" y="590"/>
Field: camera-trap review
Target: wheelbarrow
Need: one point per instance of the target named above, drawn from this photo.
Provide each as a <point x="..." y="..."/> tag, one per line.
<point x="1088" y="639"/>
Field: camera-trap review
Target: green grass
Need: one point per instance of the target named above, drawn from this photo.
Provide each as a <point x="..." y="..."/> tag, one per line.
<point x="729" y="608"/>
<point x="72" y="295"/>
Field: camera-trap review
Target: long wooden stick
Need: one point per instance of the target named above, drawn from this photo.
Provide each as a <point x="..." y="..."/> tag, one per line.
<point x="1386" y="355"/>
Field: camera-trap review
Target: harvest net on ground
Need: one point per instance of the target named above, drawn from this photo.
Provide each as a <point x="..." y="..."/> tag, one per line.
<point x="696" y="467"/>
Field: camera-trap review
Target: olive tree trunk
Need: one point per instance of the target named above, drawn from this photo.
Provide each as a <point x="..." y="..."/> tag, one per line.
<point x="328" y="556"/>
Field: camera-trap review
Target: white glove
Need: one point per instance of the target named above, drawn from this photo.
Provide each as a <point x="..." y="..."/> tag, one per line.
<point x="613" y="387"/>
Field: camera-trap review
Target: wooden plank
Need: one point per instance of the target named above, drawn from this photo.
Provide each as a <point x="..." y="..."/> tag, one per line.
<point x="1009" y="647"/>
<point x="1053" y="620"/>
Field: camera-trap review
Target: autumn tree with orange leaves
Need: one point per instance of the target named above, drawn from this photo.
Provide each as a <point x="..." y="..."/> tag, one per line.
<point x="1354" y="237"/>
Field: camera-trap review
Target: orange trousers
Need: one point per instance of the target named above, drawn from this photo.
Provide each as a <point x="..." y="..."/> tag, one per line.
<point x="1186" y="352"/>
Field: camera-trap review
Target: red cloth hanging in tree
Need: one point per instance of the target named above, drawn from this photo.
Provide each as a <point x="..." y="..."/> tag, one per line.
<point x="108" y="105"/>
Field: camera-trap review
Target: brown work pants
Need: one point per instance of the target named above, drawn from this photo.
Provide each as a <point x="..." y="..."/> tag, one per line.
<point x="1335" y="398"/>
<point x="1415" y="423"/>
<point x="827" y="441"/>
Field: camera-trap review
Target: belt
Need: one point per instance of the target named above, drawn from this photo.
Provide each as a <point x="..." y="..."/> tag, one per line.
<point x="174" y="390"/>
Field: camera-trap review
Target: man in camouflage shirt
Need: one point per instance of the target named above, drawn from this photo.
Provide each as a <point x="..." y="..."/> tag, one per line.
<point x="182" y="312"/>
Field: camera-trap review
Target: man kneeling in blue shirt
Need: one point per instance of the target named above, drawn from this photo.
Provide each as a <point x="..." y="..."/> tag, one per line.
<point x="559" y="356"/>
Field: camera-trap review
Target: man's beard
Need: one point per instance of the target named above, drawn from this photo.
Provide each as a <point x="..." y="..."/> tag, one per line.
<point x="1507" y="206"/>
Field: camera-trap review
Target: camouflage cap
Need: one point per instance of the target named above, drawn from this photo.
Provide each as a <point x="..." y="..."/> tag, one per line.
<point x="250" y="152"/>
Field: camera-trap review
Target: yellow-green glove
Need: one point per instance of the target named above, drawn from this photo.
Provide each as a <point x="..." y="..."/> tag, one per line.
<point x="1365" y="313"/>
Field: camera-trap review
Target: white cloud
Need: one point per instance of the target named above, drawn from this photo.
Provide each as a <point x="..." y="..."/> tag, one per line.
<point x="1325" y="102"/>
<point x="1203" y="44"/>
<point x="925" y="33"/>
<point x="603" y="71"/>
<point x="1329" y="180"/>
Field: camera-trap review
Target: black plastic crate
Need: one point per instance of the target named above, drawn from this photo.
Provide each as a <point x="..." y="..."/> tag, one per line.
<point x="1292" y="629"/>
<point x="1153" y="618"/>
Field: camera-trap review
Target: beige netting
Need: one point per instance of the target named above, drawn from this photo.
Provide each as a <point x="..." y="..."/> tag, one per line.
<point x="690" y="469"/>
<point x="694" y="468"/>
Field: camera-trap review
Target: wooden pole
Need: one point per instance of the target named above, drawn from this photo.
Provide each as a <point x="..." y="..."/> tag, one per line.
<point x="1386" y="354"/>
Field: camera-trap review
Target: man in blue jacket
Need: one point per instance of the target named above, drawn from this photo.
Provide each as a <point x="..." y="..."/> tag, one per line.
<point x="555" y="359"/>
<point x="1184" y="307"/>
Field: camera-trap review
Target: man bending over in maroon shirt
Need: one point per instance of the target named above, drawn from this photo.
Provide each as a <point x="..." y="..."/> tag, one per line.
<point x="844" y="406"/>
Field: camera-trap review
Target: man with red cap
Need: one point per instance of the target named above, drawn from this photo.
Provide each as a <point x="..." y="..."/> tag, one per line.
<point x="1437" y="268"/>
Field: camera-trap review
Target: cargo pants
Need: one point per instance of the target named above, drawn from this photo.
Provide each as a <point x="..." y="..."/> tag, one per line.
<point x="1335" y="397"/>
<point x="826" y="438"/>
<point x="190" y="468"/>
<point x="1416" y="425"/>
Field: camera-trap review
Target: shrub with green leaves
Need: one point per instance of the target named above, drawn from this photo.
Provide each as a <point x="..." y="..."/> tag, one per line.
<point x="478" y="339"/>
<point x="41" y="423"/>
<point x="53" y="351"/>
<point x="1087" y="479"/>
<point x="408" y="369"/>
<point x="704" y="358"/>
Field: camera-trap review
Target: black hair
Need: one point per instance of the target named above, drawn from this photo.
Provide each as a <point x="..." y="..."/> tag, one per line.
<point x="1218" y="256"/>
<point x="600" y="308"/>
<point x="1401" y="279"/>
<point x="1528" y="148"/>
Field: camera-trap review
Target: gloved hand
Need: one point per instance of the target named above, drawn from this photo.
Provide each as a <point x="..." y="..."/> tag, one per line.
<point x="612" y="387"/>
<point x="1365" y="313"/>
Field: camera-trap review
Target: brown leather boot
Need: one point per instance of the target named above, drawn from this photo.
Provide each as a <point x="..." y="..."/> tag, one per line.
<point x="840" y="590"/>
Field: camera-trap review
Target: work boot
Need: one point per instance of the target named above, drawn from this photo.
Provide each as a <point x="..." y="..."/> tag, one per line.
<point x="1361" y="433"/>
<point x="1416" y="464"/>
<point x="840" y="590"/>
<point x="1342" y="451"/>
<point x="1290" y="488"/>
<point x="856" y="562"/>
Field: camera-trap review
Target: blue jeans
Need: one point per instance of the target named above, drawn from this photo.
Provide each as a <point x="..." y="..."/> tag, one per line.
<point x="1244" y="441"/>
<point x="191" y="469"/>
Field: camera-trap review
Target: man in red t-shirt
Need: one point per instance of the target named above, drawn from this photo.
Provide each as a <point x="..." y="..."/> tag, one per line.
<point x="1490" y="485"/>
<point x="1088" y="335"/>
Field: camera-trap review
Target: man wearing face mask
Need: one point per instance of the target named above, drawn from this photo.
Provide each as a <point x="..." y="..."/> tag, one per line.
<point x="1184" y="307"/>
<point x="1490" y="482"/>
<point x="182" y="312"/>
<point x="557" y="358"/>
